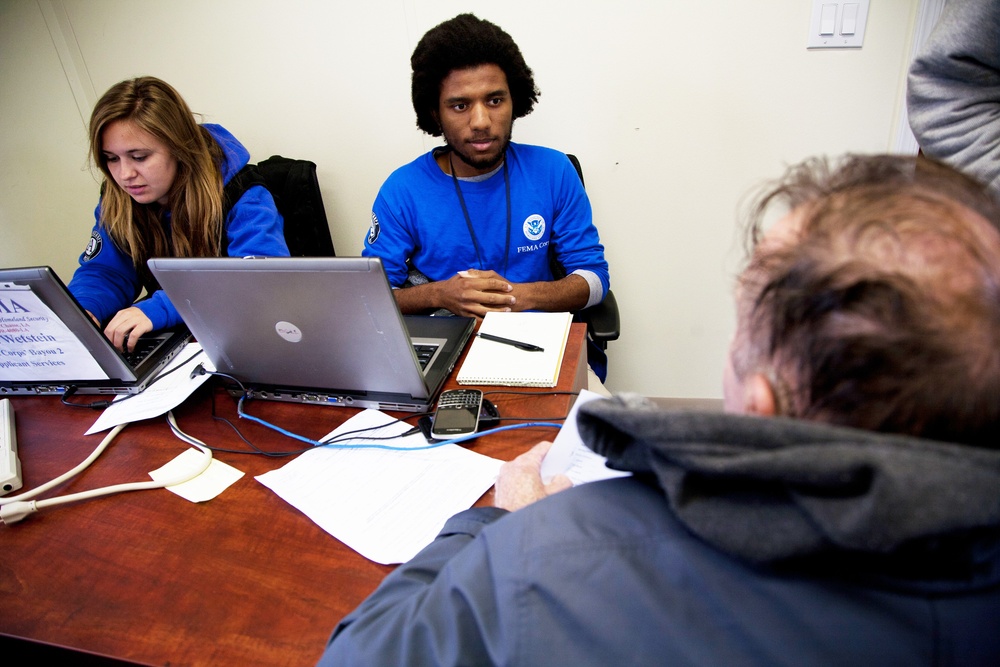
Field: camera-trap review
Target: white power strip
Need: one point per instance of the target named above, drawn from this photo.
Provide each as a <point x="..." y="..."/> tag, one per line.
<point x="10" y="465"/>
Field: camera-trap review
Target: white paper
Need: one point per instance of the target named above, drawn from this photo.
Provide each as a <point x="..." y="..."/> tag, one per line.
<point x="158" y="397"/>
<point x="387" y="505"/>
<point x="214" y="480"/>
<point x="35" y="345"/>
<point x="571" y="457"/>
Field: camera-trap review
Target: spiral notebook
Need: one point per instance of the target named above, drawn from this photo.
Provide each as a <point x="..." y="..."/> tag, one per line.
<point x="490" y="362"/>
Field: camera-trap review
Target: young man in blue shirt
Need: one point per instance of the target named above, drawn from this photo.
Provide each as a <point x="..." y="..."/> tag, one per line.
<point x="470" y="227"/>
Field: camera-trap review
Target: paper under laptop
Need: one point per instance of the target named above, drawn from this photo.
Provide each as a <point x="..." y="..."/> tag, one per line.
<point x="323" y="330"/>
<point x="49" y="345"/>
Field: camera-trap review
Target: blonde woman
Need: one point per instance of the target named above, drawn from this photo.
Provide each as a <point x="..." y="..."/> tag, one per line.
<point x="162" y="196"/>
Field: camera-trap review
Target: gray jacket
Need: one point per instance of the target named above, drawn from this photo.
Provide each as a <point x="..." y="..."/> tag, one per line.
<point x="953" y="92"/>
<point x="738" y="541"/>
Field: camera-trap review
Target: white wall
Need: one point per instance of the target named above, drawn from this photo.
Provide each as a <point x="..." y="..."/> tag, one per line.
<point x="676" y="110"/>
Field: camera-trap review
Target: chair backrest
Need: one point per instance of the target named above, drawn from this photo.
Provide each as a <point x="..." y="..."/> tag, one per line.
<point x="579" y="168"/>
<point x="603" y="320"/>
<point x="295" y="188"/>
<point x="557" y="269"/>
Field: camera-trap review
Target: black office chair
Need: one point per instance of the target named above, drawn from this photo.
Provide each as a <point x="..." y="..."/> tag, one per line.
<point x="295" y="189"/>
<point x="603" y="321"/>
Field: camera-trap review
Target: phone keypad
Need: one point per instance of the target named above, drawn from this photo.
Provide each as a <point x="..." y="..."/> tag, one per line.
<point x="460" y="398"/>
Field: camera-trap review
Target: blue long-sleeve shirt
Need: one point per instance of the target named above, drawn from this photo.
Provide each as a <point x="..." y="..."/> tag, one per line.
<point x="417" y="216"/>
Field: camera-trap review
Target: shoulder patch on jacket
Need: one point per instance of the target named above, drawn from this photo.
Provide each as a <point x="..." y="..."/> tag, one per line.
<point x="374" y="230"/>
<point x="94" y="246"/>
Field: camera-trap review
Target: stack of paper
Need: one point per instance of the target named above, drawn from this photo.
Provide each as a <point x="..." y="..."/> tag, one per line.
<point x="386" y="504"/>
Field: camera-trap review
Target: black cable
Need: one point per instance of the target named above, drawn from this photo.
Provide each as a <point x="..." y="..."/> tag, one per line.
<point x="100" y="405"/>
<point x="531" y="393"/>
<point x="258" y="451"/>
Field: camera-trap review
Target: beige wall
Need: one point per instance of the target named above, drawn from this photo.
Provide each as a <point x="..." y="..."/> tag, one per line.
<point x="675" y="108"/>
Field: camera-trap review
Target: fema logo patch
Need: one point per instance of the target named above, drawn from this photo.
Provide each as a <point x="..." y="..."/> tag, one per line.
<point x="374" y="230"/>
<point x="534" y="227"/>
<point x="93" y="246"/>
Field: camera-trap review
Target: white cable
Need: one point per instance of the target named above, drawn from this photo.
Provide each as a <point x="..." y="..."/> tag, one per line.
<point x="15" y="508"/>
<point x="67" y="475"/>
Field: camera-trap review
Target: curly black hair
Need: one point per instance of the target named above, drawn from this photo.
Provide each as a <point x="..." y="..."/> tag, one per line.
<point x="461" y="43"/>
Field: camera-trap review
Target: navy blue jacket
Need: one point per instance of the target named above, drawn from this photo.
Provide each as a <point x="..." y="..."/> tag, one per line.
<point x="738" y="541"/>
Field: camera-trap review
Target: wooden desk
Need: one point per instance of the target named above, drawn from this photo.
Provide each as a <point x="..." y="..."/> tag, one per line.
<point x="150" y="578"/>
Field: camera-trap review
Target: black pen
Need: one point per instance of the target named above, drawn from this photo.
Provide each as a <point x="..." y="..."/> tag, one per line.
<point x="507" y="341"/>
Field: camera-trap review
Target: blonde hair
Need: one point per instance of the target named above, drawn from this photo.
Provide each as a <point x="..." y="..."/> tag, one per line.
<point x="195" y="197"/>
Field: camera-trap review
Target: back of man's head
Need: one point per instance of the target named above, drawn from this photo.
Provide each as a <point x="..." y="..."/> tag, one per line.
<point x="465" y="42"/>
<point x="875" y="303"/>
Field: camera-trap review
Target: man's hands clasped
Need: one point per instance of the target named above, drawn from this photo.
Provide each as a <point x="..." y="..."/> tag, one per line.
<point x="474" y="293"/>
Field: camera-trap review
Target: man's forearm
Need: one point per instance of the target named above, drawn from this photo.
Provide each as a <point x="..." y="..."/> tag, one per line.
<point x="417" y="298"/>
<point x="566" y="294"/>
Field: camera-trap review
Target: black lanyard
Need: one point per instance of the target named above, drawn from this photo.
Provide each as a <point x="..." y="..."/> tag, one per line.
<point x="468" y="220"/>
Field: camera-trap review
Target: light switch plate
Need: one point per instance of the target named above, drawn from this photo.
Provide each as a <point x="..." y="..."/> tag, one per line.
<point x="845" y="36"/>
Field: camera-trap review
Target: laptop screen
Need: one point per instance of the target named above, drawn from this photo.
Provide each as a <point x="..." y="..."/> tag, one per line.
<point x="49" y="344"/>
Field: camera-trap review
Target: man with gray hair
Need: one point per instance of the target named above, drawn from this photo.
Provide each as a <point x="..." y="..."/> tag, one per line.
<point x="845" y="511"/>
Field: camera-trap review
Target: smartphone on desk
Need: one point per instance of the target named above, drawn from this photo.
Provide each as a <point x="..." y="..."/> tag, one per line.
<point x="457" y="413"/>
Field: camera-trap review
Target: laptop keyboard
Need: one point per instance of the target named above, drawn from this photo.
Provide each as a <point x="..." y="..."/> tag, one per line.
<point x="143" y="349"/>
<point x="424" y="354"/>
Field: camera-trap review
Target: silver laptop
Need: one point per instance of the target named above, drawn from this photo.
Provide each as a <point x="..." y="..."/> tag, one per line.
<point x="49" y="345"/>
<point x="323" y="330"/>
